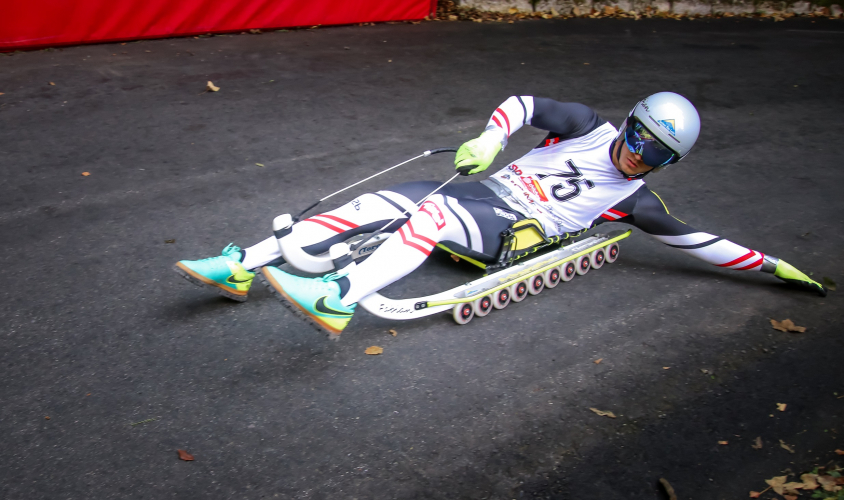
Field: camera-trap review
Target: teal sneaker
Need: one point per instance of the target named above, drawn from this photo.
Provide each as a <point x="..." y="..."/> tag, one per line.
<point x="224" y="272"/>
<point x="316" y="300"/>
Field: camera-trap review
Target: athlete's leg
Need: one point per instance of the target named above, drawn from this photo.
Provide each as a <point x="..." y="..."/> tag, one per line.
<point x="471" y="224"/>
<point x="230" y="274"/>
<point x="329" y="302"/>
<point x="406" y="249"/>
<point x="367" y="213"/>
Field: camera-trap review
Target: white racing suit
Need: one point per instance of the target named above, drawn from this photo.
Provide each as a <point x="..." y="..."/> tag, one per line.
<point x="568" y="182"/>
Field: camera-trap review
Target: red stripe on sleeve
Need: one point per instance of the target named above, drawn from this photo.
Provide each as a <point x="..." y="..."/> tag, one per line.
<point x="607" y="217"/>
<point x="505" y="119"/>
<point x="497" y="122"/>
<point x="616" y="212"/>
<point x="739" y="260"/>
<point x="751" y="266"/>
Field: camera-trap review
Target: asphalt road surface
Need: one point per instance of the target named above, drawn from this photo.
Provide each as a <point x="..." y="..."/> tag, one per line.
<point x="98" y="333"/>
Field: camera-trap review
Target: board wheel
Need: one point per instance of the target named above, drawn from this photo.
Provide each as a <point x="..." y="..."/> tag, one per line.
<point x="582" y="264"/>
<point x="569" y="270"/>
<point x="536" y="284"/>
<point x="463" y="313"/>
<point x="612" y="252"/>
<point x="501" y="298"/>
<point x="597" y="258"/>
<point x="519" y="291"/>
<point x="552" y="277"/>
<point x="482" y="306"/>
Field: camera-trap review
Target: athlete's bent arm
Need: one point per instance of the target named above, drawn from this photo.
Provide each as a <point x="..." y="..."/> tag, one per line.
<point x="563" y="120"/>
<point x="645" y="210"/>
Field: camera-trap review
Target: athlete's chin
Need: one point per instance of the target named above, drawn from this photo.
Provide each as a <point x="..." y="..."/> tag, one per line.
<point x="628" y="170"/>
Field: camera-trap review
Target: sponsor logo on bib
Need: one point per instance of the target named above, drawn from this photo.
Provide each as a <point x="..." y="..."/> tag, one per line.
<point x="533" y="186"/>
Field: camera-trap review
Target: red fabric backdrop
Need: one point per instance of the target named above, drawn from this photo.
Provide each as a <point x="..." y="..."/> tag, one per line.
<point x="39" y="23"/>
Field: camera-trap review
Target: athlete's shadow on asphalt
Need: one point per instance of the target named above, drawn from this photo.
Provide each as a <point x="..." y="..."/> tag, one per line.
<point x="696" y="273"/>
<point x="203" y="303"/>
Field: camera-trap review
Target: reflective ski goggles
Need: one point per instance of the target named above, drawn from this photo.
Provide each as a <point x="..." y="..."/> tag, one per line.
<point x="639" y="140"/>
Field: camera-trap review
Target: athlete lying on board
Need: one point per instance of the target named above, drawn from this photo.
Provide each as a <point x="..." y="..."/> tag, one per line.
<point x="584" y="173"/>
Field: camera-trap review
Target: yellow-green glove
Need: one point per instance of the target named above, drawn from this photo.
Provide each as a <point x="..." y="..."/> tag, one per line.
<point x="791" y="274"/>
<point x="476" y="155"/>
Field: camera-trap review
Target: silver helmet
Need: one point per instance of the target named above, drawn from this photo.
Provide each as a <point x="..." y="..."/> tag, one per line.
<point x="671" y="118"/>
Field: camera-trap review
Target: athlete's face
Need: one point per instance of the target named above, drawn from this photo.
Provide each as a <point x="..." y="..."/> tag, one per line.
<point x="629" y="163"/>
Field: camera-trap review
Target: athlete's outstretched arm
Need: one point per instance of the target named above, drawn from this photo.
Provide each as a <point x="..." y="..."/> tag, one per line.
<point x="645" y="210"/>
<point x="563" y="120"/>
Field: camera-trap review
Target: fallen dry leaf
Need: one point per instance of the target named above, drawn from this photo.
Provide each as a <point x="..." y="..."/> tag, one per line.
<point x="827" y="282"/>
<point x="839" y="452"/>
<point x="668" y="488"/>
<point x="603" y="413"/>
<point x="211" y="87"/>
<point x="792" y="488"/>
<point x="170" y="241"/>
<point x="455" y="258"/>
<point x="828" y="482"/>
<point x="809" y="481"/>
<point x="1" y="93"/>
<point x="787" y="325"/>
<point x="86" y="174"/>
<point x="260" y="164"/>
<point x="666" y="367"/>
<point x="789" y="497"/>
<point x="755" y="494"/>
<point x="776" y="483"/>
<point x="598" y="361"/>
<point x="374" y="350"/>
<point x="52" y="83"/>
<point x="786" y="447"/>
<point x="46" y="418"/>
<point x="723" y="442"/>
<point x="757" y="445"/>
<point x="781" y="406"/>
<point x="187" y="457"/>
<point x="393" y="332"/>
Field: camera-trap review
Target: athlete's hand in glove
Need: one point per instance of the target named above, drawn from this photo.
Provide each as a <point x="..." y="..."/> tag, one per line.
<point x="476" y="155"/>
<point x="791" y="274"/>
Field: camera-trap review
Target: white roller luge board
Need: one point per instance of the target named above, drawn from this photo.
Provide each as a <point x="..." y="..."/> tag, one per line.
<point x="404" y="309"/>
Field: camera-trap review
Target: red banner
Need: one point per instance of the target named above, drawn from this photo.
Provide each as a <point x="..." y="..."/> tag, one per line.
<point x="41" y="23"/>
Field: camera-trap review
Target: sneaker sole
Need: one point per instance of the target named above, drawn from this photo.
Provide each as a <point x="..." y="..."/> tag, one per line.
<point x="278" y="292"/>
<point x="200" y="280"/>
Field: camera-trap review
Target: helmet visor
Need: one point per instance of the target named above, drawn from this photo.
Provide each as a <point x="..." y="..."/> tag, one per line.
<point x="641" y="141"/>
